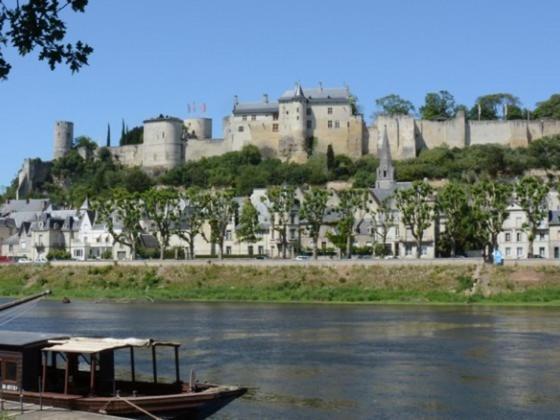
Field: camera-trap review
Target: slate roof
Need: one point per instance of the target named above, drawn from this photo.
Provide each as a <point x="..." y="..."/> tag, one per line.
<point x="319" y="94"/>
<point x="381" y="194"/>
<point x="31" y="205"/>
<point x="255" y="108"/>
<point x="22" y="339"/>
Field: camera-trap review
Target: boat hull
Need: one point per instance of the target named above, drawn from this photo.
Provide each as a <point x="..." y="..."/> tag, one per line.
<point x="185" y="405"/>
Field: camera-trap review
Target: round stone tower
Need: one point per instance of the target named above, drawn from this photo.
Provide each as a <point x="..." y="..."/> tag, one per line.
<point x="63" y="136"/>
<point x="163" y="143"/>
<point x="199" y="128"/>
<point x="293" y="124"/>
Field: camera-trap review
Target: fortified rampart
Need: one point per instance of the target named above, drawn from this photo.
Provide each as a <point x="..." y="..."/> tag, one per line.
<point x="408" y="136"/>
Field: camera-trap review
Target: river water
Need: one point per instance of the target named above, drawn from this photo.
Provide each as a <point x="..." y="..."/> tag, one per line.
<point x="345" y="361"/>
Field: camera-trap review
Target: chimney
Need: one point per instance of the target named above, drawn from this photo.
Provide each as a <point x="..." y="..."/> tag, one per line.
<point x="265" y="98"/>
<point x="235" y="100"/>
<point x="321" y="86"/>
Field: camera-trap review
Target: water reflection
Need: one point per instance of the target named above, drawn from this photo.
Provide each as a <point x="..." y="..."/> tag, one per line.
<point x="340" y="361"/>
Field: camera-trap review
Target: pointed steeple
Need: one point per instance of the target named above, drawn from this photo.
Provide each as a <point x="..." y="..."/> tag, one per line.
<point x="298" y="91"/>
<point x="385" y="170"/>
<point x="85" y="205"/>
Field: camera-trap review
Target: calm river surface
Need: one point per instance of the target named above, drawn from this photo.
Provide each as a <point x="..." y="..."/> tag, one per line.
<point x="343" y="361"/>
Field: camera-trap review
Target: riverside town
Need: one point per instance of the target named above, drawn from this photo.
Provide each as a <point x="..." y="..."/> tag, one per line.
<point x="216" y="210"/>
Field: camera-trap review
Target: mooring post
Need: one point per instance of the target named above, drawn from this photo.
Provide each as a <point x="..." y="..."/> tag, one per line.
<point x="40" y="394"/>
<point x="21" y="400"/>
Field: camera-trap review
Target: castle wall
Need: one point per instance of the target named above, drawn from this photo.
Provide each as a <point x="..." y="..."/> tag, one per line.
<point x="163" y="146"/>
<point x="130" y="155"/>
<point x="200" y="128"/>
<point x="489" y="132"/>
<point x="431" y="134"/>
<point x="198" y="149"/>
<point x="401" y="131"/>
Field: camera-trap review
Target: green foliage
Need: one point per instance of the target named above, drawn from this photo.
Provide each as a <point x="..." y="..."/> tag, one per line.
<point x="394" y="105"/>
<point x="248" y="228"/>
<point x="161" y="206"/>
<point x="330" y="158"/>
<point x="313" y="211"/>
<point x="37" y="26"/>
<point x="438" y="106"/>
<point x="134" y="136"/>
<point x="282" y="204"/>
<point x="494" y="105"/>
<point x="85" y="141"/>
<point x="58" y="254"/>
<point x="549" y="108"/>
<point x="531" y="194"/>
<point x="416" y="207"/>
<point x="220" y="210"/>
<point x="452" y="207"/>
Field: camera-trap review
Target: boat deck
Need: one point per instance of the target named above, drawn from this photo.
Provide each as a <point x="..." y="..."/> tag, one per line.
<point x="13" y="409"/>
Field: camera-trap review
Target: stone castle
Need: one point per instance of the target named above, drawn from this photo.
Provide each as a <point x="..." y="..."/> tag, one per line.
<point x="301" y="122"/>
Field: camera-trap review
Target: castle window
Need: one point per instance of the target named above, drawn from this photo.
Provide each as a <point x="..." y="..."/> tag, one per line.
<point x="275" y="128"/>
<point x="244" y="117"/>
<point x="329" y="123"/>
<point x="163" y="134"/>
<point x="297" y="109"/>
<point x="275" y="116"/>
<point x="308" y="111"/>
<point x="155" y="157"/>
<point x="384" y="174"/>
<point x="253" y="117"/>
<point x="240" y="129"/>
<point x="309" y="124"/>
<point x="329" y="110"/>
<point x="337" y="124"/>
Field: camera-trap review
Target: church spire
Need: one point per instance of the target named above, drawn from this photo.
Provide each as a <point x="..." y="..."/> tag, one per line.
<point x="385" y="170"/>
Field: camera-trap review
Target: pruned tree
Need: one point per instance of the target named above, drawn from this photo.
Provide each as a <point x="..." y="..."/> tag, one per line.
<point x="248" y="229"/>
<point x="312" y="212"/>
<point x="37" y="25"/>
<point x="221" y="209"/>
<point x="452" y="205"/>
<point x="192" y="217"/>
<point x="382" y="219"/>
<point x="161" y="206"/>
<point x="489" y="208"/>
<point x="350" y="202"/>
<point x="416" y="207"/>
<point x="531" y="194"/>
<point x="281" y="204"/>
<point x="121" y="212"/>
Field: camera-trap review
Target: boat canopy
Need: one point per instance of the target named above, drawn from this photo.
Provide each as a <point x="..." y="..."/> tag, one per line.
<point x="87" y="345"/>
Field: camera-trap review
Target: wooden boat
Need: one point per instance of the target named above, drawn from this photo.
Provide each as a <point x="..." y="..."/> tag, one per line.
<point x="78" y="373"/>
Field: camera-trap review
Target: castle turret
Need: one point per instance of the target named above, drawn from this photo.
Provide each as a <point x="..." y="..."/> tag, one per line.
<point x="293" y="129"/>
<point x="163" y="143"/>
<point x="63" y="137"/>
<point x="385" y="170"/>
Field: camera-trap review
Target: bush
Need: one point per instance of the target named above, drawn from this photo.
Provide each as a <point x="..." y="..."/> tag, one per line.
<point x="58" y="254"/>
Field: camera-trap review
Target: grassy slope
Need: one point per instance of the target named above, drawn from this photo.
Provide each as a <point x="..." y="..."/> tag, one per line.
<point x="408" y="283"/>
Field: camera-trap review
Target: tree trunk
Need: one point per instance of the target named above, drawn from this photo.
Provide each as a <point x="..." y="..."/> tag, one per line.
<point x="349" y="246"/>
<point x="133" y="250"/>
<point x="284" y="241"/>
<point x="453" y="247"/>
<point x="531" y="237"/>
<point x="315" y="247"/>
<point x="191" y="249"/>
<point x="419" y="247"/>
<point x="161" y="252"/>
<point x="221" y="250"/>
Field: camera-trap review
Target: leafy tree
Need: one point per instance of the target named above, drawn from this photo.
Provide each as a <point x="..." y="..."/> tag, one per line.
<point x="489" y="203"/>
<point x="134" y="136"/>
<point x="161" y="206"/>
<point x="36" y="25"/>
<point x="452" y="205"/>
<point x="531" y="194"/>
<point x="249" y="228"/>
<point x="438" y="106"/>
<point x="549" y="108"/>
<point x="192" y="217"/>
<point x="281" y="203"/>
<point x="221" y="208"/>
<point x="416" y="210"/>
<point x="349" y="203"/>
<point x="493" y="105"/>
<point x="121" y="213"/>
<point x="85" y="141"/>
<point x="382" y="219"/>
<point x="312" y="213"/>
<point x="394" y="105"/>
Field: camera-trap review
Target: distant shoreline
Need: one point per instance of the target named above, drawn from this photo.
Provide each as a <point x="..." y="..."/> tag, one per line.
<point x="461" y="281"/>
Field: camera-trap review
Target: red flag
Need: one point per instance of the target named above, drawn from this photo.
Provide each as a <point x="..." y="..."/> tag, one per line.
<point x="203" y="106"/>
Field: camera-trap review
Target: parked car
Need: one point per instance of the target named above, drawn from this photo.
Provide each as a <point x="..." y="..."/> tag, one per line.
<point x="24" y="260"/>
<point x="390" y="257"/>
<point x="301" y="258"/>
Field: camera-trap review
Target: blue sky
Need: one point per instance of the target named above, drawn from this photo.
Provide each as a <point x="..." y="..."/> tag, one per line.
<point x="155" y="57"/>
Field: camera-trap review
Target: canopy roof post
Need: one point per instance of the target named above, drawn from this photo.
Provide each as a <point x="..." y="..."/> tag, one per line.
<point x="66" y="373"/>
<point x="177" y="374"/>
<point x="45" y="357"/>
<point x="154" y="363"/>
<point x="132" y="367"/>
<point x="92" y="365"/>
